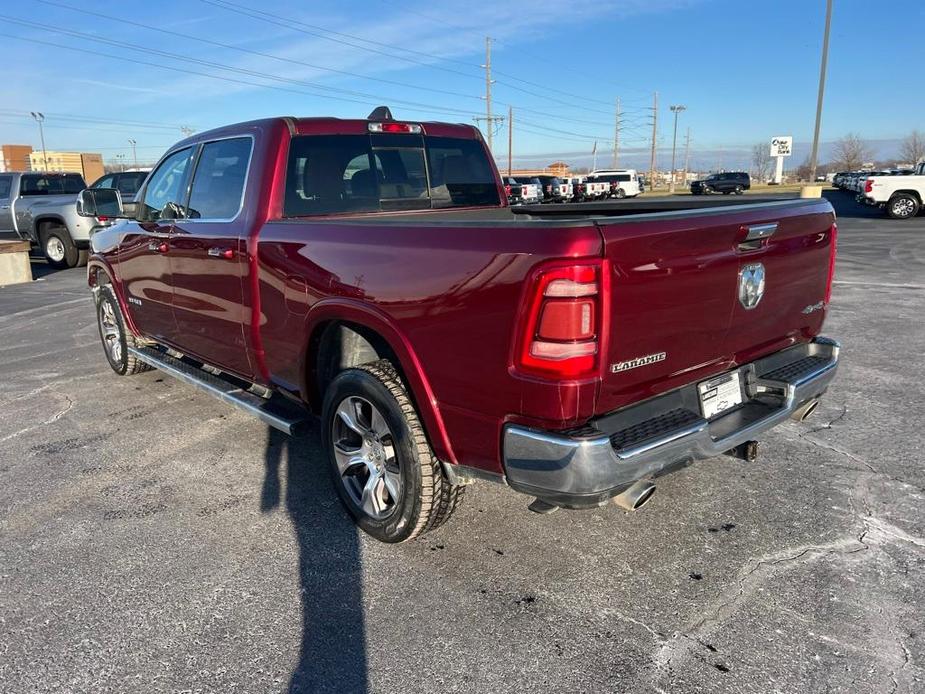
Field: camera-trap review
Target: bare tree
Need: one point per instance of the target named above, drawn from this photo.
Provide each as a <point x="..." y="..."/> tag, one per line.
<point x="912" y="148"/>
<point x="761" y="161"/>
<point x="851" y="152"/>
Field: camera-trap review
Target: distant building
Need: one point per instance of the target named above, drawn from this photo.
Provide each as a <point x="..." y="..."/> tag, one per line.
<point x="15" y="157"/>
<point x="89" y="164"/>
<point x="557" y="168"/>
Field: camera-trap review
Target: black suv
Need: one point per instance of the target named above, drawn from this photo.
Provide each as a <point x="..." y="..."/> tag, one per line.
<point x="727" y="182"/>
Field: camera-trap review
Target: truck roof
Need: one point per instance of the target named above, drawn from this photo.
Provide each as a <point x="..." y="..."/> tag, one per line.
<point x="326" y="125"/>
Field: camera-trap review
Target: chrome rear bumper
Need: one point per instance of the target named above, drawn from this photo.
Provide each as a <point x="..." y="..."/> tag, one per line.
<point x="588" y="466"/>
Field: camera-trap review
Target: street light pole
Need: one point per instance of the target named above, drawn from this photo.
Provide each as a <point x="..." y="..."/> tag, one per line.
<point x="822" y="68"/>
<point x="121" y="159"/>
<point x="134" y="153"/>
<point x="40" y="117"/>
<point x="674" y="143"/>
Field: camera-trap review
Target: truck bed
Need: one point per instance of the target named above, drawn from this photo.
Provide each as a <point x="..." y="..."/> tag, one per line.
<point x="565" y="213"/>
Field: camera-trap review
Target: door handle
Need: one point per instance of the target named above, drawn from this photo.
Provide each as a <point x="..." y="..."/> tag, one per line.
<point x="158" y="246"/>
<point x="226" y="253"/>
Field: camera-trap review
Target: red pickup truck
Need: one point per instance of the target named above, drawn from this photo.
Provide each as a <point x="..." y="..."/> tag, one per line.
<point x="371" y="272"/>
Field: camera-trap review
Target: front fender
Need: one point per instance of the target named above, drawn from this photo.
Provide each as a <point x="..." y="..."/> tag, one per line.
<point x="358" y="313"/>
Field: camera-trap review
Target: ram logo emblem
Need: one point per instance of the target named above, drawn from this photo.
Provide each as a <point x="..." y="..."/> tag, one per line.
<point x="751" y="285"/>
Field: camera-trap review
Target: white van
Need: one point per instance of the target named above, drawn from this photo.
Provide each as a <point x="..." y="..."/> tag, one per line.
<point x="624" y="183"/>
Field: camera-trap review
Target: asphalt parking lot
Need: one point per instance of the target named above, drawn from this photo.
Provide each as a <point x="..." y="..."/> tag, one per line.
<point x="155" y="540"/>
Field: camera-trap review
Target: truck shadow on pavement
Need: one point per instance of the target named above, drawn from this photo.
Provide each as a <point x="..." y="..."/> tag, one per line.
<point x="846" y="206"/>
<point x="332" y="657"/>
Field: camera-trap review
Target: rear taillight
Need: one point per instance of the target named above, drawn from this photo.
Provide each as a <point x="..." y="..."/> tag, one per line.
<point x="507" y="190"/>
<point x="869" y="185"/>
<point x="560" y="334"/>
<point x="833" y="233"/>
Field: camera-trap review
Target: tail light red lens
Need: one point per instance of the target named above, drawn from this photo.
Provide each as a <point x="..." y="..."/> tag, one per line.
<point x="507" y="190"/>
<point x="868" y="185"/>
<point x="560" y="335"/>
<point x="392" y="127"/>
<point x="831" y="278"/>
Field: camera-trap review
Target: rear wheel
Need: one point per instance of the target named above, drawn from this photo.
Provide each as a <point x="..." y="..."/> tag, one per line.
<point x="902" y="206"/>
<point x="739" y="190"/>
<point x="59" y="249"/>
<point x="383" y="468"/>
<point x="116" y="339"/>
<point x="620" y="193"/>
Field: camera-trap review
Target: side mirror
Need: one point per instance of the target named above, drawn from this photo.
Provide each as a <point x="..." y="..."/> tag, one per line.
<point x="100" y="202"/>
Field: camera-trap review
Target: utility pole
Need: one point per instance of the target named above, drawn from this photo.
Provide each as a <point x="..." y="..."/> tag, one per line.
<point x="822" y="69"/>
<point x="40" y="118"/>
<point x="687" y="154"/>
<point x="674" y="143"/>
<point x="489" y="121"/>
<point x="510" y="140"/>
<point x="121" y="159"/>
<point x="594" y="157"/>
<point x="134" y="153"/>
<point x="616" y="137"/>
<point x="654" y="135"/>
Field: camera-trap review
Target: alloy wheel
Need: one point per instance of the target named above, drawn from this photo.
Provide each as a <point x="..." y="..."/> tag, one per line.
<point x="364" y="450"/>
<point x="112" y="334"/>
<point x="54" y="249"/>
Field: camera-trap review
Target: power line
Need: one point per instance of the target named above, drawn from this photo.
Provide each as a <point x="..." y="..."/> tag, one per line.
<point x="240" y="49"/>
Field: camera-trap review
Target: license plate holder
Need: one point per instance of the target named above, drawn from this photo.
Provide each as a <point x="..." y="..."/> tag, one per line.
<point x="720" y="394"/>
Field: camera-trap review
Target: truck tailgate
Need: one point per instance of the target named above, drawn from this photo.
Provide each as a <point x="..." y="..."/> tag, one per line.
<point x="675" y="313"/>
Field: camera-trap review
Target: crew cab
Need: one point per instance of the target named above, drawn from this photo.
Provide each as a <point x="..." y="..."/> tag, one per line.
<point x="40" y="208"/>
<point x="900" y="195"/>
<point x="371" y="272"/>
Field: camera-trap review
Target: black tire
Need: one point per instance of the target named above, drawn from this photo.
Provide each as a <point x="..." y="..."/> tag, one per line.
<point x="426" y="499"/>
<point x="707" y="190"/>
<point x="903" y="206"/>
<point x="620" y="194"/>
<point x="59" y="249"/>
<point x="738" y="190"/>
<point x="109" y="318"/>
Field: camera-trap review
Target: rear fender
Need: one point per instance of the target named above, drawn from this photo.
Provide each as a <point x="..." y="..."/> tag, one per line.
<point x="347" y="310"/>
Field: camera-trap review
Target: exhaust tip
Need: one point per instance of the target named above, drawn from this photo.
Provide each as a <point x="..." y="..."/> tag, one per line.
<point x="636" y="496"/>
<point x="809" y="410"/>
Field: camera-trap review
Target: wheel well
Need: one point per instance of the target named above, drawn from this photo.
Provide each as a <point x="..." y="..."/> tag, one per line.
<point x="913" y="193"/>
<point x="43" y="224"/>
<point x="336" y="346"/>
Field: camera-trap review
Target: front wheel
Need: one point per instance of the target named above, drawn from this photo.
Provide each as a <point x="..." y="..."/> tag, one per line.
<point x="707" y="190"/>
<point x="383" y="467"/>
<point x="902" y="206"/>
<point x="114" y="335"/>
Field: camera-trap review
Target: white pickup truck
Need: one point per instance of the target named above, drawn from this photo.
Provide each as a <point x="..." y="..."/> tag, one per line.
<point x="901" y="196"/>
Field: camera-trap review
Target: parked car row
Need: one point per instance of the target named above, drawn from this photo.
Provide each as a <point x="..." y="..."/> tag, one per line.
<point x="598" y="185"/>
<point x="854" y="180"/>
<point x="900" y="192"/>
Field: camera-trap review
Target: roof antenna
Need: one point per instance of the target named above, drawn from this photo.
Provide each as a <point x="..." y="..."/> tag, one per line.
<point x="380" y="113"/>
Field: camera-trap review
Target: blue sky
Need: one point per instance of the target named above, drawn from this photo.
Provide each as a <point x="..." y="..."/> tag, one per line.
<point x="746" y="70"/>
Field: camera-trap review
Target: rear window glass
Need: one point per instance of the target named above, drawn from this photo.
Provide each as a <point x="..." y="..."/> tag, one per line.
<point x="5" y="184"/>
<point x="62" y="184"/>
<point x="329" y="174"/>
<point x="129" y="183"/>
<point x="218" y="183"/>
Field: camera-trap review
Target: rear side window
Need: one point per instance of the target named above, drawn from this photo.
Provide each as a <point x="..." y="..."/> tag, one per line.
<point x="218" y="184"/>
<point x="104" y="182"/>
<point x="165" y="193"/>
<point x="59" y="184"/>
<point x="6" y="183"/>
<point x="329" y="174"/>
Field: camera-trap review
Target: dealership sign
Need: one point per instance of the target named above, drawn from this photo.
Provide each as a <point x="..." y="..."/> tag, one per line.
<point x="782" y="146"/>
